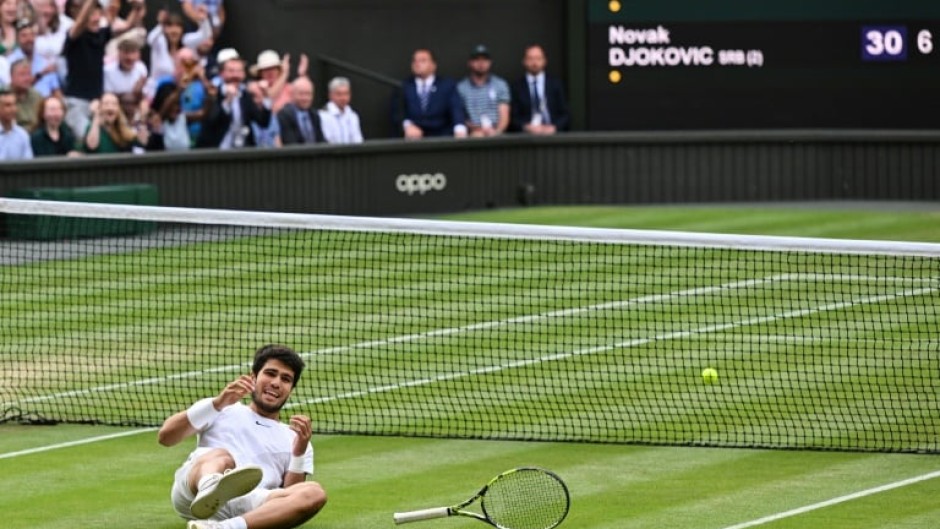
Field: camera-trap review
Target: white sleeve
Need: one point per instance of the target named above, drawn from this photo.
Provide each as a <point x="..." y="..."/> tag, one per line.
<point x="308" y="459"/>
<point x="194" y="38"/>
<point x="4" y="70"/>
<point x="328" y="126"/>
<point x="108" y="82"/>
<point x="154" y="34"/>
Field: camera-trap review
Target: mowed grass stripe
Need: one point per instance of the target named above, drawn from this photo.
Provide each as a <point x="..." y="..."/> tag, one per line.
<point x="683" y="401"/>
<point x="571" y="332"/>
<point x="250" y="311"/>
<point x="419" y="336"/>
<point x="368" y="478"/>
<point x="135" y="300"/>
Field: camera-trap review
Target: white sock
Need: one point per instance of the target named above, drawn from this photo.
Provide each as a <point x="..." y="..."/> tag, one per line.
<point x="234" y="523"/>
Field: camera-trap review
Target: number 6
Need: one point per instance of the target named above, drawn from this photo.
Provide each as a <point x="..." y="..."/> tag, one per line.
<point x="925" y="41"/>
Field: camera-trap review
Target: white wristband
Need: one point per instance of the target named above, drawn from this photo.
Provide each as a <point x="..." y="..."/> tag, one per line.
<point x="202" y="413"/>
<point x="296" y="465"/>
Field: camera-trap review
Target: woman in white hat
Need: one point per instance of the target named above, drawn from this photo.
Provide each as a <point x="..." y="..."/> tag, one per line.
<point x="272" y="72"/>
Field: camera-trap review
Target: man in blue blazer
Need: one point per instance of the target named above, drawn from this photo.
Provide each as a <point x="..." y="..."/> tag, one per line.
<point x="539" y="105"/>
<point x="428" y="105"/>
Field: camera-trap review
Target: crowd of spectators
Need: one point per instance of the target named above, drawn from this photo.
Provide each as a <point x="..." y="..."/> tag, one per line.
<point x="482" y="103"/>
<point x="85" y="76"/>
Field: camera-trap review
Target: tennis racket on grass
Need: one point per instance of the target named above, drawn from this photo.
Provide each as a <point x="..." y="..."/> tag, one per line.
<point x="521" y="498"/>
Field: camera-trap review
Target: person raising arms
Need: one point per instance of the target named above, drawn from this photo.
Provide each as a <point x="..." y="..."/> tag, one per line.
<point x="249" y="470"/>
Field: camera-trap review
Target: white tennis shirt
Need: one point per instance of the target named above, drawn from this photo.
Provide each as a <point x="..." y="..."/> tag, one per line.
<point x="253" y="440"/>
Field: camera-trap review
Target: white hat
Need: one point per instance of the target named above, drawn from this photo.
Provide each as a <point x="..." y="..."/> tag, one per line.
<point x="266" y="59"/>
<point x="226" y="55"/>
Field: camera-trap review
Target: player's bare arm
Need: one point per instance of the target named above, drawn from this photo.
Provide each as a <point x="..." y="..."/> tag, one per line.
<point x="179" y="426"/>
<point x="303" y="427"/>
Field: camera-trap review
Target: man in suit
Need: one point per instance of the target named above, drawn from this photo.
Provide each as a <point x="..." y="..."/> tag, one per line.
<point x="539" y="105"/>
<point x="429" y="105"/>
<point x="228" y="122"/>
<point x="299" y="121"/>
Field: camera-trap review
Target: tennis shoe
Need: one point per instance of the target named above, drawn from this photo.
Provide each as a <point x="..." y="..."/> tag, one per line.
<point x="220" y="488"/>
<point x="203" y="524"/>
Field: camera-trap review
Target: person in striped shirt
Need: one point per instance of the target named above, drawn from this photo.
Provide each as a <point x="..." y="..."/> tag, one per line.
<point x="485" y="96"/>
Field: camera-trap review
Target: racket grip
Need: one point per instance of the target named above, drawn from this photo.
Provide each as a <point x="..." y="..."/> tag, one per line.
<point x="423" y="514"/>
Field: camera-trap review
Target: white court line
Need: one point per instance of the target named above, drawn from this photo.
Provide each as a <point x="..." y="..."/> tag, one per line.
<point x="834" y="501"/>
<point x="79" y="442"/>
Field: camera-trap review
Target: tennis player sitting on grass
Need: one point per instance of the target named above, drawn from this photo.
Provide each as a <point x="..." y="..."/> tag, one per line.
<point x="248" y="471"/>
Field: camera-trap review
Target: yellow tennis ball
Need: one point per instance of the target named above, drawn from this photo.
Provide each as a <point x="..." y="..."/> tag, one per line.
<point x="709" y="375"/>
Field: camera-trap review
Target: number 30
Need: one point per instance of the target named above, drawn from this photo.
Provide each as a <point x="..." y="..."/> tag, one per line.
<point x="890" y="42"/>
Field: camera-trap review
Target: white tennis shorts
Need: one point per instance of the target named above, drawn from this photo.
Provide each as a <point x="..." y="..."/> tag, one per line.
<point x="182" y="498"/>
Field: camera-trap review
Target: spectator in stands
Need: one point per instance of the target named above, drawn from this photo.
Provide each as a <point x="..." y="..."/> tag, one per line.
<point x="211" y="11"/>
<point x="430" y="104"/>
<point x="14" y="140"/>
<point x="128" y="27"/>
<point x="269" y="136"/>
<point x="299" y="122"/>
<point x="273" y="73"/>
<point x="205" y="56"/>
<point x="71" y="8"/>
<point x="52" y="25"/>
<point x="52" y="136"/>
<point x="8" y="12"/>
<point x="27" y="98"/>
<point x="485" y="96"/>
<point x="109" y="130"/>
<point x="538" y="105"/>
<point x="168" y="128"/>
<point x="340" y="123"/>
<point x="52" y="28"/>
<point x="166" y="40"/>
<point x="129" y="73"/>
<point x="84" y="54"/>
<point x="228" y="122"/>
<point x="197" y="93"/>
<point x="135" y="109"/>
<point x="25" y="11"/>
<point x="45" y="79"/>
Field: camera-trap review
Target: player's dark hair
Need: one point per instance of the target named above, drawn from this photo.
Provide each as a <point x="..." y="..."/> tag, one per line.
<point x="278" y="352"/>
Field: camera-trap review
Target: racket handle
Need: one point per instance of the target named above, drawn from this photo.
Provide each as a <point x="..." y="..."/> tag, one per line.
<point x="423" y="514"/>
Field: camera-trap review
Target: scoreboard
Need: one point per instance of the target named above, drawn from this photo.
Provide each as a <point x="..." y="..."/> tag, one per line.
<point x="723" y="64"/>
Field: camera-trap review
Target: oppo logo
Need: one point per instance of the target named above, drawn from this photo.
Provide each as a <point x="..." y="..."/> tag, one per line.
<point x="420" y="183"/>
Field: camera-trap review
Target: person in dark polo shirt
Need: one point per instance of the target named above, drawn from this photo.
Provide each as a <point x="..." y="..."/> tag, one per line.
<point x="84" y="54"/>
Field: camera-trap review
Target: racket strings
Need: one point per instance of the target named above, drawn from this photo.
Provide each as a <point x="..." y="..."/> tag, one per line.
<point x="526" y="499"/>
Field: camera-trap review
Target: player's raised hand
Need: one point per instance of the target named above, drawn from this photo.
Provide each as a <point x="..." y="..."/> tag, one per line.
<point x="234" y="391"/>
<point x="302" y="425"/>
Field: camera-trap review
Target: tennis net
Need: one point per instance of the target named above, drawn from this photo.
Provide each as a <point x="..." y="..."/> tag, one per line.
<point x="469" y="330"/>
